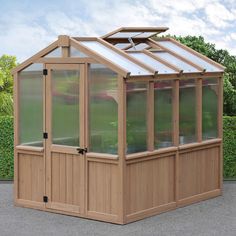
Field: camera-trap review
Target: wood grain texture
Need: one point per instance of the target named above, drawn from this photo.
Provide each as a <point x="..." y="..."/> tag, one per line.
<point x="150" y="184"/>
<point x="102" y="188"/>
<point x="199" y="171"/>
<point x="65" y="179"/>
<point x="30" y="177"/>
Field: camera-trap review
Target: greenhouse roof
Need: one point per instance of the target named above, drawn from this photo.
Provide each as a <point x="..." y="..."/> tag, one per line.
<point x="131" y="51"/>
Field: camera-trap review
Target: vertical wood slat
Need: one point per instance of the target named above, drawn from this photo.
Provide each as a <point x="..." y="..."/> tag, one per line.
<point x="175" y="112"/>
<point x="122" y="149"/>
<point x="48" y="129"/>
<point x="44" y="130"/>
<point x="16" y="133"/>
<point x="150" y="116"/>
<point x="83" y="134"/>
<point x="175" y="115"/>
<point x="55" y="178"/>
<point x="65" y="52"/>
<point x="199" y="109"/>
<point x="87" y="135"/>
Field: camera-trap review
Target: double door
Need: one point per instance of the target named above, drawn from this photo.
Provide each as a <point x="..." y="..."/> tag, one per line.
<point x="65" y="147"/>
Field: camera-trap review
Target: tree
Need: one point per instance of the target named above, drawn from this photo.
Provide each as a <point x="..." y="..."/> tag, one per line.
<point x="6" y="84"/>
<point x="223" y="57"/>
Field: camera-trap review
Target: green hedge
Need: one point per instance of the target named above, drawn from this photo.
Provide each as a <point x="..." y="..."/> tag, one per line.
<point x="6" y="147"/>
<point x="230" y="147"/>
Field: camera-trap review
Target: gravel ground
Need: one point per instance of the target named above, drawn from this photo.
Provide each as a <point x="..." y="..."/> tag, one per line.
<point x="212" y="217"/>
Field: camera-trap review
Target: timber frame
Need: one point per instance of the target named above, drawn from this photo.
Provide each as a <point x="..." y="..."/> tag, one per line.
<point x="120" y="188"/>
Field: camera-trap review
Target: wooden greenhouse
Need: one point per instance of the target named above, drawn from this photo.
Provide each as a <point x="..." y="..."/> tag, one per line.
<point x="117" y="128"/>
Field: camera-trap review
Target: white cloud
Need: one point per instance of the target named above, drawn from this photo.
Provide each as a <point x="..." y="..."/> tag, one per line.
<point x="219" y="15"/>
<point x="26" y="33"/>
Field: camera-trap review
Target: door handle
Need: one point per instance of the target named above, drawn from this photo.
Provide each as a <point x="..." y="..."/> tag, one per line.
<point x="82" y="150"/>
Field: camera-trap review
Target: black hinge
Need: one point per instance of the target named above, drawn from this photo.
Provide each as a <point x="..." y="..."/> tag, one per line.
<point x="45" y="198"/>
<point x="45" y="72"/>
<point x="45" y="135"/>
<point x="82" y="150"/>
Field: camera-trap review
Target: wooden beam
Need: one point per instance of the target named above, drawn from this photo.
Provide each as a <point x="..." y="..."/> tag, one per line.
<point x="65" y="51"/>
<point x="122" y="149"/>
<point x="63" y="41"/>
<point x="150" y="116"/>
<point x="155" y="30"/>
<point x="175" y="111"/>
<point x="67" y="60"/>
<point x="16" y="133"/>
<point x="35" y="57"/>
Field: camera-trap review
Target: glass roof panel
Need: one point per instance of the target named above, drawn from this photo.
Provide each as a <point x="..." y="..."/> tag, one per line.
<point x="161" y="68"/>
<point x="122" y="45"/>
<point x="124" y="34"/>
<point x="188" y="55"/>
<point x="176" y="61"/>
<point x="55" y="53"/>
<point x="115" y="58"/>
<point x="139" y="46"/>
<point x="145" y="34"/>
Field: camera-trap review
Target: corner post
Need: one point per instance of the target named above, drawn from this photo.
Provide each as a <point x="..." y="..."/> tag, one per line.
<point x="122" y="149"/>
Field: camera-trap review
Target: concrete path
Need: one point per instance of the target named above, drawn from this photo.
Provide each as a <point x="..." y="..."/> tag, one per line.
<point x="212" y="217"/>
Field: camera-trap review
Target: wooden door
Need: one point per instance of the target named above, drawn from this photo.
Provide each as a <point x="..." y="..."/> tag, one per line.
<point x="64" y="121"/>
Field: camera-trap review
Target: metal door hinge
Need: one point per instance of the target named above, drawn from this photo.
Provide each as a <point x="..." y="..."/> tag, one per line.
<point x="45" y="135"/>
<point x="45" y="198"/>
<point x="82" y="150"/>
<point x="45" y="72"/>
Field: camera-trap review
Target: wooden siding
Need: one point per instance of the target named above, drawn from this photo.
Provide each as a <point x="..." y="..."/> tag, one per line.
<point x="102" y="187"/>
<point x="150" y="184"/>
<point x="65" y="179"/>
<point x="30" y="177"/>
<point x="198" y="171"/>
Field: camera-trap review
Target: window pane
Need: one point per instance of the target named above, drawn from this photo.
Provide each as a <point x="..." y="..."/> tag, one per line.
<point x="103" y="109"/>
<point x="209" y="108"/>
<point x="136" y="117"/>
<point x="76" y="53"/>
<point x="31" y="105"/>
<point x="55" y="53"/>
<point x="65" y="107"/>
<point x="163" y="114"/>
<point x="187" y="111"/>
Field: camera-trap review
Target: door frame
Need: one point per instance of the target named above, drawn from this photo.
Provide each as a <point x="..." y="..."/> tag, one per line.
<point x="49" y="147"/>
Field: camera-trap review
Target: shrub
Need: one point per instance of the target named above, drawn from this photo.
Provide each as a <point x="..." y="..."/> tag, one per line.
<point x="6" y="147"/>
<point x="229" y="147"/>
<point x="7" y="153"/>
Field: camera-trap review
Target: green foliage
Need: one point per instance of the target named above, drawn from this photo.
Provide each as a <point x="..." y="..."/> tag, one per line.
<point x="229" y="147"/>
<point x="6" y="147"/>
<point x="229" y="97"/>
<point x="223" y="57"/>
<point x="6" y="84"/>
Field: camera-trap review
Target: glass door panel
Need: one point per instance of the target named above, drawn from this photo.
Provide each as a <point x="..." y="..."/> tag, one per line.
<point x="65" y="107"/>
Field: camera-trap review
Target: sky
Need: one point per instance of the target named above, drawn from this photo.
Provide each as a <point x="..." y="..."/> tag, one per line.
<point x="27" y="26"/>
